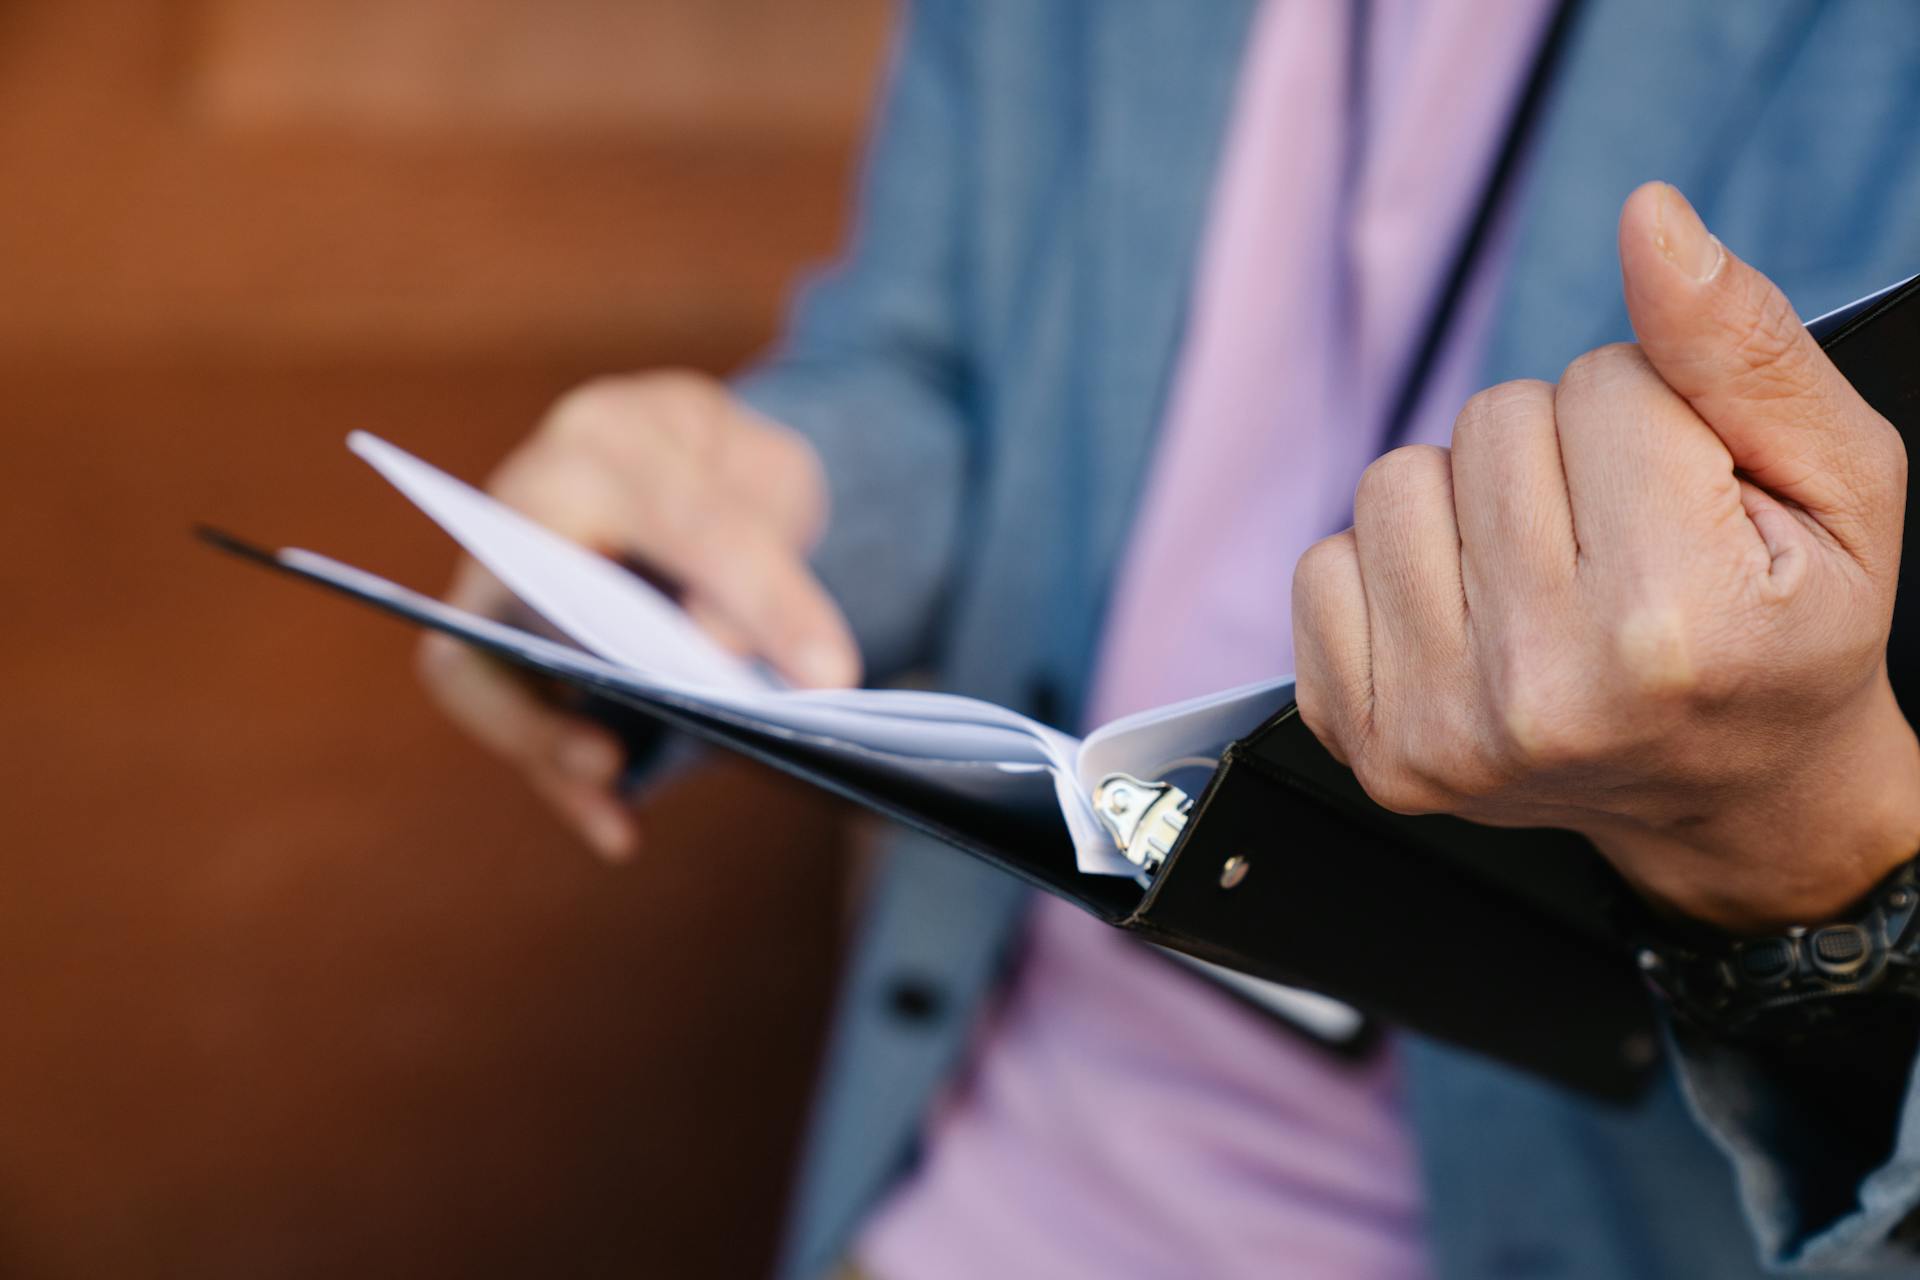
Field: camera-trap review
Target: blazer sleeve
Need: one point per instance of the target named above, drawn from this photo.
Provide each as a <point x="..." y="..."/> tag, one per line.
<point x="1825" y="1141"/>
<point x="872" y="368"/>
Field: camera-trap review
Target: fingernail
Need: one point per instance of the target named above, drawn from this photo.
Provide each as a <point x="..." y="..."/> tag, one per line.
<point x="1683" y="239"/>
<point x="822" y="664"/>
<point x="587" y="758"/>
<point x="610" y="835"/>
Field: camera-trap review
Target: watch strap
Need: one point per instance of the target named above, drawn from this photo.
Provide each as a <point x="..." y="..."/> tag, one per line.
<point x="1784" y="986"/>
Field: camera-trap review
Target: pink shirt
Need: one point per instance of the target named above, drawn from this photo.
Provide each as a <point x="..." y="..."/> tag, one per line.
<point x="1123" y="1118"/>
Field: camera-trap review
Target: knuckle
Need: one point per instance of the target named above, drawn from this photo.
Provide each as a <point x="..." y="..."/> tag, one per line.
<point x="680" y="402"/>
<point x="1470" y="777"/>
<point x="1653" y="649"/>
<point x="587" y="410"/>
<point x="1397" y="476"/>
<point x="616" y="405"/>
<point x="687" y="386"/>
<point x="1544" y="726"/>
<point x="1552" y="717"/>
<point x="1461" y="765"/>
<point x="1323" y="567"/>
<point x="1377" y="484"/>
<point x="1602" y="370"/>
<point x="1395" y="787"/>
<point x="1458" y="766"/>
<point x="1497" y="410"/>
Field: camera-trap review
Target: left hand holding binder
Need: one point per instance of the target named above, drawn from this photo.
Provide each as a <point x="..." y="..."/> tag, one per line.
<point x="1649" y="604"/>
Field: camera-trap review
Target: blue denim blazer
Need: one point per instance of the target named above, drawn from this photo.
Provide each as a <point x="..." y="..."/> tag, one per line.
<point x="983" y="373"/>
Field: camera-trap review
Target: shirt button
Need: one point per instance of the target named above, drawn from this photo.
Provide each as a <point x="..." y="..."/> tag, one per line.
<point x="913" y="1000"/>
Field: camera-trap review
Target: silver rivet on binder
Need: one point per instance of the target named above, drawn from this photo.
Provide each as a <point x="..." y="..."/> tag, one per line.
<point x="1144" y="818"/>
<point x="1233" y="871"/>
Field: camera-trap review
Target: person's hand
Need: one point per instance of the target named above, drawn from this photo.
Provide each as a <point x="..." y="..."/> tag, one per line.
<point x="672" y="475"/>
<point x="1649" y="604"/>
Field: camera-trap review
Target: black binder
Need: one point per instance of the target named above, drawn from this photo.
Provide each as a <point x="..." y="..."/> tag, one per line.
<point x="1498" y="941"/>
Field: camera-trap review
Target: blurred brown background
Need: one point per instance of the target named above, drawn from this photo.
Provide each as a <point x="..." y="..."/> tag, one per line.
<point x="292" y="981"/>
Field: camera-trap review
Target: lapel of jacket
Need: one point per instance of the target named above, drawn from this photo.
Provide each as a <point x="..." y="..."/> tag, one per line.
<point x="1650" y="89"/>
<point x="1162" y="76"/>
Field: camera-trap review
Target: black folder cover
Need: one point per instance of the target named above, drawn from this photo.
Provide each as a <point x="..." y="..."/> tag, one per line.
<point x="1493" y="940"/>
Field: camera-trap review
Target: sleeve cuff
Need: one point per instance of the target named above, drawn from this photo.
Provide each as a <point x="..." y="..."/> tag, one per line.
<point x="1828" y="1167"/>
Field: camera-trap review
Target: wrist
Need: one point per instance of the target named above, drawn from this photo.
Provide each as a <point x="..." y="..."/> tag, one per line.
<point x="1795" y="849"/>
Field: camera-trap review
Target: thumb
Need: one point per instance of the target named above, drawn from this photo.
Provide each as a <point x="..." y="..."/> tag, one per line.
<point x="1726" y="339"/>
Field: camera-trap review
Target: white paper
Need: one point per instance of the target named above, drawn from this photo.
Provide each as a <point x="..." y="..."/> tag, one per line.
<point x="643" y="639"/>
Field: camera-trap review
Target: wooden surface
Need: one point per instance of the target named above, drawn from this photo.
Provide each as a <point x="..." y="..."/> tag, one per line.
<point x="294" y="982"/>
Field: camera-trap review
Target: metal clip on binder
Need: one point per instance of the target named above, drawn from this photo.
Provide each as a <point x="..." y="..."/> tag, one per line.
<point x="1145" y="818"/>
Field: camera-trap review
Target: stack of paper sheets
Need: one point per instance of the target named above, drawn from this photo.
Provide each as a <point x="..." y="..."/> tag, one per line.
<point x="635" y="636"/>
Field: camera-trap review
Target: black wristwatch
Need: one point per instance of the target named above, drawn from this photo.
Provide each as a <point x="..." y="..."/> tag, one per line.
<point x="1787" y="987"/>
